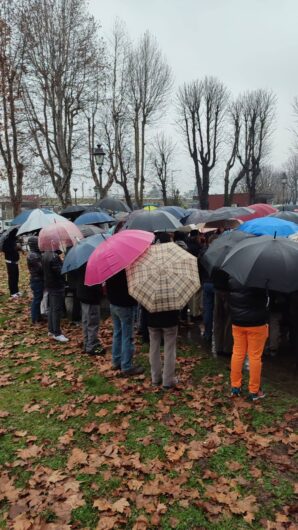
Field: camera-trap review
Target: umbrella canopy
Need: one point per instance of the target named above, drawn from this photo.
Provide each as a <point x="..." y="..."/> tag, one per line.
<point x="150" y="207"/>
<point x="90" y="230"/>
<point x="164" y="278"/>
<point x="286" y="216"/>
<point x="264" y="262"/>
<point x="10" y="232"/>
<point x="221" y="214"/>
<point x="37" y="220"/>
<point x="177" y="211"/>
<point x="269" y="226"/>
<point x="259" y="210"/>
<point x="73" y="211"/>
<point x="23" y="216"/>
<point x="115" y="254"/>
<point x="226" y="224"/>
<point x="80" y="253"/>
<point x="155" y="221"/>
<point x="59" y="236"/>
<point x="93" y="218"/>
<point x="113" y="205"/>
<point x="220" y="247"/>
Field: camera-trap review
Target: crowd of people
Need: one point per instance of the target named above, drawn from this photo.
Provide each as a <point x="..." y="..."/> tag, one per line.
<point x="236" y="321"/>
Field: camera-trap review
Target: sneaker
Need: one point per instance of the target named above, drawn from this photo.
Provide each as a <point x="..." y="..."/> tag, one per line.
<point x="158" y="383"/>
<point x="134" y="370"/>
<point x="256" y="396"/>
<point x="98" y="350"/>
<point x="116" y="367"/>
<point x="15" y="296"/>
<point x="235" y="391"/>
<point x="51" y="335"/>
<point x="60" y="338"/>
<point x="173" y="385"/>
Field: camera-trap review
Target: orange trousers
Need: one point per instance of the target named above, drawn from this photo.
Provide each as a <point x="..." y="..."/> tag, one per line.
<point x="250" y="341"/>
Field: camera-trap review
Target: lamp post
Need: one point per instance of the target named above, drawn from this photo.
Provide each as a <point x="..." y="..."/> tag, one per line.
<point x="284" y="181"/>
<point x="75" y="192"/>
<point x="96" y="190"/>
<point x="99" y="156"/>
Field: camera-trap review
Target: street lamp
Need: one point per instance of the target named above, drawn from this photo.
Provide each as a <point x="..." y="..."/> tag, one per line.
<point x="99" y="155"/>
<point x="75" y="192"/>
<point x="96" y="190"/>
<point x="284" y="181"/>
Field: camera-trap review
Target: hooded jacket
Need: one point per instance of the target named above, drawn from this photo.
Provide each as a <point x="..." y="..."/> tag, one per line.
<point x="86" y="294"/>
<point x="52" y="266"/>
<point x="249" y="307"/>
<point x="34" y="260"/>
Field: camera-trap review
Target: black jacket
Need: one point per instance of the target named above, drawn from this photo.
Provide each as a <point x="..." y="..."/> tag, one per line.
<point x="220" y="280"/>
<point x="86" y="294"/>
<point x="163" y="319"/>
<point x="52" y="266"/>
<point x="249" y="307"/>
<point x="117" y="291"/>
<point x="34" y="261"/>
<point x="10" y="249"/>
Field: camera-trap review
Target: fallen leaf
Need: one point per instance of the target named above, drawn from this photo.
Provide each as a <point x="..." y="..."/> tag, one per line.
<point x="120" y="505"/>
<point x="77" y="457"/>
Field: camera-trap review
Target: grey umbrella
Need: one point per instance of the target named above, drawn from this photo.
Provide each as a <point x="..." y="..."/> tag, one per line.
<point x="286" y="216"/>
<point x="113" y="205"/>
<point x="264" y="262"/>
<point x="152" y="221"/>
<point x="221" y="214"/>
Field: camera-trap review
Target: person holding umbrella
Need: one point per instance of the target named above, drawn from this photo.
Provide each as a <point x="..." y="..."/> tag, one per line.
<point x="249" y="311"/>
<point x="55" y="285"/>
<point x="34" y="263"/>
<point x="11" y="248"/>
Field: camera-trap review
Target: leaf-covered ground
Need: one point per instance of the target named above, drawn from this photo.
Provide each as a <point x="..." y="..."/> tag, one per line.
<point x="83" y="448"/>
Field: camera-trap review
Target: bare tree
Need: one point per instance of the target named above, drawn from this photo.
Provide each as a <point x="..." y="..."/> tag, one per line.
<point x="149" y="83"/>
<point x="114" y="117"/>
<point x="202" y="105"/>
<point x="161" y="159"/>
<point x="252" y="120"/>
<point x="13" y="135"/>
<point x="62" y="55"/>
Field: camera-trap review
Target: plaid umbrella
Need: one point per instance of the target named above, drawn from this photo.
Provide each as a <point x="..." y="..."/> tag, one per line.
<point x="164" y="278"/>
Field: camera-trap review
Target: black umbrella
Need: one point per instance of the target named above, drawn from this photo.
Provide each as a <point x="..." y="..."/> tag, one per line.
<point x="286" y="216"/>
<point x="73" y="211"/>
<point x="220" y="248"/>
<point x="152" y="221"/>
<point x="229" y="212"/>
<point x="176" y="211"/>
<point x="264" y="262"/>
<point x="113" y="205"/>
<point x="194" y="217"/>
<point x="10" y="232"/>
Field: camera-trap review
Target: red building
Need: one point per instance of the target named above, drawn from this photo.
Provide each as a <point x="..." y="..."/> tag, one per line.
<point x="217" y="201"/>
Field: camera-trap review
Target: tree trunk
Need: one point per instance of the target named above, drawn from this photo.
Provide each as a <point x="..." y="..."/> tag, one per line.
<point x="204" y="197"/>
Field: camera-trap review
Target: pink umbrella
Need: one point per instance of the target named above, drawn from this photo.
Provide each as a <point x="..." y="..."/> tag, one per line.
<point x="260" y="210"/>
<point x="59" y="236"/>
<point x="115" y="254"/>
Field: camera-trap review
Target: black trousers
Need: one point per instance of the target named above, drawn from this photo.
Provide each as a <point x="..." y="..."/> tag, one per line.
<point x="13" y="277"/>
<point x="56" y="302"/>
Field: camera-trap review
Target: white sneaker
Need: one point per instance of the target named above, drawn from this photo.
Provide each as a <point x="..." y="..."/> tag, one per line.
<point x="14" y="296"/>
<point x="60" y="338"/>
<point x="20" y="293"/>
<point x="51" y="334"/>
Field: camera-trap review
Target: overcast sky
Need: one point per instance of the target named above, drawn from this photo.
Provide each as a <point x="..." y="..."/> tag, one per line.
<point x="247" y="44"/>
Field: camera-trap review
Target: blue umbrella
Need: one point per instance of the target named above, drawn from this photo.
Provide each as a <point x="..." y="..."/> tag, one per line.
<point x="93" y="218"/>
<point x="269" y="226"/>
<point x="80" y="253"/>
<point x="177" y="211"/>
<point x="23" y="216"/>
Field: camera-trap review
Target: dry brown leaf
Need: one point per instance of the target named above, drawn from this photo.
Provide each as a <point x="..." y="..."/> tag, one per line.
<point x="106" y="523"/>
<point x="102" y="505"/>
<point x="77" y="457"/>
<point x="29" y="452"/>
<point x="120" y="505"/>
<point x="141" y="523"/>
<point x="175" y="452"/>
<point x="22" y="523"/>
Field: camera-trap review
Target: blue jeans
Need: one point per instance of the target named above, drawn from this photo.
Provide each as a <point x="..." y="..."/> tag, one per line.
<point x="208" y="306"/>
<point x="123" y="345"/>
<point x="37" y="289"/>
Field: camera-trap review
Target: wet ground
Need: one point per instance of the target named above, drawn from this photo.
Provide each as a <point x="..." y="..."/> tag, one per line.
<point x="282" y="370"/>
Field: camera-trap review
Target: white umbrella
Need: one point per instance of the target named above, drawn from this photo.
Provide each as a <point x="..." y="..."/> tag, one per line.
<point x="37" y="220"/>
